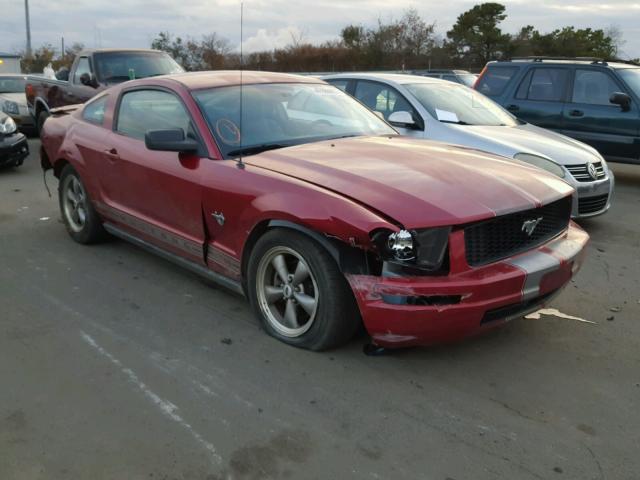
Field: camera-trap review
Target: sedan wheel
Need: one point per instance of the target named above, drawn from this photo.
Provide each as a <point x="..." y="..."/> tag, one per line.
<point x="75" y="204"/>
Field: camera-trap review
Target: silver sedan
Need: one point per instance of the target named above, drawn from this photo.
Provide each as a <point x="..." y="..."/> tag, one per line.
<point x="447" y="112"/>
<point x="13" y="100"/>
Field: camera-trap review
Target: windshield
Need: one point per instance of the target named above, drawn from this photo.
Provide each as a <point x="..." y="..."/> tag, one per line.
<point x="279" y="115"/>
<point x="11" y="85"/>
<point x="631" y="77"/>
<point x="452" y="103"/>
<point x="122" y="66"/>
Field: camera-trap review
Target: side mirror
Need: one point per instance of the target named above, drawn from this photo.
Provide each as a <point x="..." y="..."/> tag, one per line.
<point x="402" y="119"/>
<point x="172" y="140"/>
<point x="89" y="80"/>
<point x="622" y="99"/>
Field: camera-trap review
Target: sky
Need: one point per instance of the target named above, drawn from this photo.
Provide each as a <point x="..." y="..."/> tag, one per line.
<point x="273" y="23"/>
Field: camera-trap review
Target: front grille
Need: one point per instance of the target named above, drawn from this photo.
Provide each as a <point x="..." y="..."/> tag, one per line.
<point x="501" y="237"/>
<point x="581" y="172"/>
<point x="592" y="204"/>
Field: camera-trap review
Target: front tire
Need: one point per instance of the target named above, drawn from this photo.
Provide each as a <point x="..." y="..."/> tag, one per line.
<point x="81" y="219"/>
<point x="298" y="292"/>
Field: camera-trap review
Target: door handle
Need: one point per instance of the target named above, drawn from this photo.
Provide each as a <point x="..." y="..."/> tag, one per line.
<point x="576" y="113"/>
<point x="112" y="154"/>
<point x="513" y="108"/>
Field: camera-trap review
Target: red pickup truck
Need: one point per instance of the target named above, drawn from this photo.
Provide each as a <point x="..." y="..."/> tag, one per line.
<point x="92" y="72"/>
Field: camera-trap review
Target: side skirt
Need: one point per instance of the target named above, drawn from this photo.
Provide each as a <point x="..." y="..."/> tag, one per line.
<point x="191" y="266"/>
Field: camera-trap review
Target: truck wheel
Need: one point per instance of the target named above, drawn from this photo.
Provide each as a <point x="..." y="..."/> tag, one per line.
<point x="81" y="219"/>
<point x="42" y="117"/>
<point x="298" y="292"/>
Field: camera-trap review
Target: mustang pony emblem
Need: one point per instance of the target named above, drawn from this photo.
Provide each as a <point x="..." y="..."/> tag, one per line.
<point x="530" y="225"/>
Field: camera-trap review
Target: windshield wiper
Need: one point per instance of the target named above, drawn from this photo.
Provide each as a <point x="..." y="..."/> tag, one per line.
<point x="256" y="149"/>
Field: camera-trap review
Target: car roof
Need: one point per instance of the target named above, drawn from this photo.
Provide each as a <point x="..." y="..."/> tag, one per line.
<point x="563" y="61"/>
<point x="87" y="51"/>
<point x="222" y="78"/>
<point x="399" y="78"/>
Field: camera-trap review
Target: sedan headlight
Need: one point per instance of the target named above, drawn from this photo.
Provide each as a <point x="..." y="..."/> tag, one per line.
<point x="11" y="108"/>
<point x="424" y="249"/>
<point x="7" y="126"/>
<point x="540" y="162"/>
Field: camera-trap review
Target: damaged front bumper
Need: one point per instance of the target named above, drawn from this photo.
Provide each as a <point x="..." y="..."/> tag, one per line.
<point x="424" y="310"/>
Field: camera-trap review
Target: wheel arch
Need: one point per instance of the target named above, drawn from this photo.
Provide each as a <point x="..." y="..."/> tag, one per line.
<point x="349" y="259"/>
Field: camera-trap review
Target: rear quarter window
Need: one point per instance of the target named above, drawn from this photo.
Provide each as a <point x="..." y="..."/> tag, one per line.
<point x="94" y="111"/>
<point x="495" y="80"/>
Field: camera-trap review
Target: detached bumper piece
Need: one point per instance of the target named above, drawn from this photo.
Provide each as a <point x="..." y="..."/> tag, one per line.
<point x="13" y="149"/>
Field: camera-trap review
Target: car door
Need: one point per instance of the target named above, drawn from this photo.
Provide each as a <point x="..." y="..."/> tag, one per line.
<point x="591" y="118"/>
<point x="385" y="100"/>
<point x="156" y="195"/>
<point x="540" y="96"/>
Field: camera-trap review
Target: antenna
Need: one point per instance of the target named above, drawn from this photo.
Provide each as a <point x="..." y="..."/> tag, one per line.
<point x="240" y="162"/>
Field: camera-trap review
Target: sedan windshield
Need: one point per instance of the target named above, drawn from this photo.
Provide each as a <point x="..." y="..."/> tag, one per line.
<point x="119" y="67"/>
<point x="468" y="79"/>
<point x="631" y="77"/>
<point x="279" y="115"/>
<point x="11" y="85"/>
<point x="450" y="103"/>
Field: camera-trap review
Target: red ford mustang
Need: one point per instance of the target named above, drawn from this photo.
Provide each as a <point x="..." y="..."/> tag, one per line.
<point x="313" y="207"/>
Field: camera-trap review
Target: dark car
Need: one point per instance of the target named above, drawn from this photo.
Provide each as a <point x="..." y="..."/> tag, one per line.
<point x="13" y="145"/>
<point x="591" y="100"/>
<point x="458" y="76"/>
<point x="92" y="72"/>
<point x="314" y="207"/>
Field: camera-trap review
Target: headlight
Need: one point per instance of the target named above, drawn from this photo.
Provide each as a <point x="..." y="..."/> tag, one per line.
<point x="541" y="162"/>
<point x="7" y="125"/>
<point x="424" y="249"/>
<point x="11" y="108"/>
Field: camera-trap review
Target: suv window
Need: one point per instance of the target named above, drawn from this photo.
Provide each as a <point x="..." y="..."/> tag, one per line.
<point x="83" y="66"/>
<point x="593" y="87"/>
<point x="495" y="80"/>
<point x="382" y="98"/>
<point x="143" y="110"/>
<point x="94" y="111"/>
<point x="544" y="84"/>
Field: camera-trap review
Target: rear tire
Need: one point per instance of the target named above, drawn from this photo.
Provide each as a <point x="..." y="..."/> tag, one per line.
<point x="80" y="217"/>
<point x="312" y="306"/>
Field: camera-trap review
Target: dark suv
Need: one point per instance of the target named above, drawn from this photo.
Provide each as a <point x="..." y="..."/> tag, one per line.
<point x="591" y="100"/>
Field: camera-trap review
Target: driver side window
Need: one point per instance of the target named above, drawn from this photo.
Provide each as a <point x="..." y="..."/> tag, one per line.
<point x="382" y="98"/>
<point x="82" y="67"/>
<point x="143" y="110"/>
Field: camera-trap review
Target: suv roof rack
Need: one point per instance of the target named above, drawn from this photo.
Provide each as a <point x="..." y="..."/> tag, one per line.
<point x="593" y="60"/>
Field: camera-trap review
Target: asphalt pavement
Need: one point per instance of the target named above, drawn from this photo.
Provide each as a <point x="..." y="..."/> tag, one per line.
<point x="115" y="364"/>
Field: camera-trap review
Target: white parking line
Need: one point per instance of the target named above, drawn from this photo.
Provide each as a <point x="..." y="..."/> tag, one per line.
<point x="166" y="407"/>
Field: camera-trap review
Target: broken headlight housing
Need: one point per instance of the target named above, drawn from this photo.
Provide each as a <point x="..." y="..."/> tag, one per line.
<point x="7" y="126"/>
<point x="424" y="249"/>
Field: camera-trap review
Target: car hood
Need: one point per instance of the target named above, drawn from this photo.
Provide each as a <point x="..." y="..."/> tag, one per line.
<point x="526" y="138"/>
<point x="415" y="182"/>
<point x="19" y="98"/>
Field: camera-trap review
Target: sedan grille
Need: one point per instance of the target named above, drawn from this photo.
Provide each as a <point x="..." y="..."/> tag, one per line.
<point x="501" y="237"/>
<point x="581" y="172"/>
<point x="589" y="205"/>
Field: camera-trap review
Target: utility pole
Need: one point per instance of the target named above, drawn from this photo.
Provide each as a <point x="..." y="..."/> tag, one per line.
<point x="26" y="14"/>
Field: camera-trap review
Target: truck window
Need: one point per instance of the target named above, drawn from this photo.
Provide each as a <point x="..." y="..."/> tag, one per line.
<point x="495" y="80"/>
<point x="593" y="87"/>
<point x="544" y="84"/>
<point x="83" y="66"/>
<point x="94" y="111"/>
<point x="143" y="110"/>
